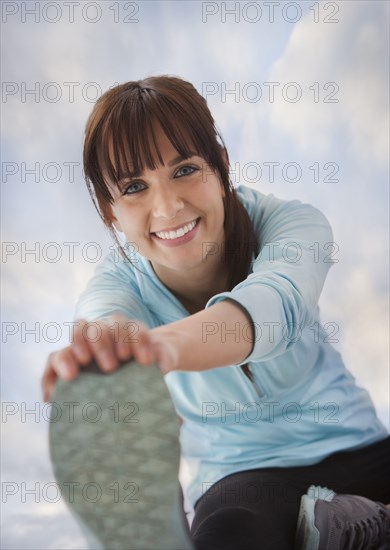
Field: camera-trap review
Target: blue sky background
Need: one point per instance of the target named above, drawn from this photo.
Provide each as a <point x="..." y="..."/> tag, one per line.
<point x="170" y="37"/>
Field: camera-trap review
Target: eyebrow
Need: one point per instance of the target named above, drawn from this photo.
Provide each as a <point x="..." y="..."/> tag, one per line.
<point x="172" y="162"/>
<point x="180" y="158"/>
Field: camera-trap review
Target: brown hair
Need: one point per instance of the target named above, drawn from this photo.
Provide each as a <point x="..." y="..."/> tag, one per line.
<point x="123" y="117"/>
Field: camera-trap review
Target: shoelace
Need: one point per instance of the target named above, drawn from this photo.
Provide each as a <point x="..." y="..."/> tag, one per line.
<point x="365" y="534"/>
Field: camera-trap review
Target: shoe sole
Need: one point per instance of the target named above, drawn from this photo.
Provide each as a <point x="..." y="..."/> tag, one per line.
<point x="307" y="535"/>
<point x="114" y="447"/>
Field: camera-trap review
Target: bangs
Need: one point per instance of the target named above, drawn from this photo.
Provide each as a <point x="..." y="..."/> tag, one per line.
<point x="125" y="143"/>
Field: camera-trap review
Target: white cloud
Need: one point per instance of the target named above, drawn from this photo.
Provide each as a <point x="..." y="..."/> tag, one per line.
<point x="359" y="310"/>
<point x="33" y="516"/>
<point x="353" y="54"/>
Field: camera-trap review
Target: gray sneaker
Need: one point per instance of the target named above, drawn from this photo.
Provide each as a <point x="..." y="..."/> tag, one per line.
<point x="114" y="447"/>
<point x="330" y="521"/>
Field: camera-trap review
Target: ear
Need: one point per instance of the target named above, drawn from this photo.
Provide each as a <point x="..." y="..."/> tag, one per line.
<point x="114" y="221"/>
<point x="117" y="225"/>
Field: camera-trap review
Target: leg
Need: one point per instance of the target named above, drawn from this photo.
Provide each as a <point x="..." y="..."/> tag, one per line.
<point x="259" y="508"/>
<point x="253" y="510"/>
<point x="363" y="472"/>
<point x="349" y="520"/>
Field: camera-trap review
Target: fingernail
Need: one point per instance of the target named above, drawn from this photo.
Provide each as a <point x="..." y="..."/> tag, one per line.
<point x="107" y="360"/>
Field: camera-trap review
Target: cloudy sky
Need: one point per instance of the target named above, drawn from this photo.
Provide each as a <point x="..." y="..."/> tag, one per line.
<point x="300" y="94"/>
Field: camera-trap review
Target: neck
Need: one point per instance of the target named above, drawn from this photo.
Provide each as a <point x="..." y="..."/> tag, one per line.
<point x="194" y="287"/>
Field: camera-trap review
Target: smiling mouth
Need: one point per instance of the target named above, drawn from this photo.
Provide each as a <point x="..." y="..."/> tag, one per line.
<point x="175" y="234"/>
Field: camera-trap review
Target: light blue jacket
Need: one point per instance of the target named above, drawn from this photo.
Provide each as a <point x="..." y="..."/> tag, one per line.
<point x="304" y="404"/>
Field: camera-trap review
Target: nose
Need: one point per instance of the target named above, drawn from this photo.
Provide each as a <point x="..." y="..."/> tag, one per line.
<point x="166" y="201"/>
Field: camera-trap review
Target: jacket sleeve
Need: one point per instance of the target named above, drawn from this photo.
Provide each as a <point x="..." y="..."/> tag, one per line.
<point x="112" y="290"/>
<point x="281" y="293"/>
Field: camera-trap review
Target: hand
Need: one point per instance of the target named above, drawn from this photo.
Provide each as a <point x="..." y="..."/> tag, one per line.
<point x="114" y="340"/>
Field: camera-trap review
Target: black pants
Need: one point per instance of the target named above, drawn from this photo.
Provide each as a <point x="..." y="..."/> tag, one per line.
<point x="258" y="509"/>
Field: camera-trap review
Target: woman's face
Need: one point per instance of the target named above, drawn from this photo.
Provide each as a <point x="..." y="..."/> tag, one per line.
<point x="183" y="196"/>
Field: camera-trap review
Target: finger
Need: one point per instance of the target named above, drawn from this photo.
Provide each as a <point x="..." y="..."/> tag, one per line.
<point x="126" y="337"/>
<point x="131" y="339"/>
<point x="48" y="385"/>
<point x="48" y="380"/>
<point x="99" y="338"/>
<point x="144" y="348"/>
<point x="61" y="364"/>
<point x="65" y="364"/>
<point x="80" y="345"/>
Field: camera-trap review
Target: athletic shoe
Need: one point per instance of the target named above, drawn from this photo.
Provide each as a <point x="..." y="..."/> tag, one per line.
<point x="114" y="446"/>
<point x="330" y="521"/>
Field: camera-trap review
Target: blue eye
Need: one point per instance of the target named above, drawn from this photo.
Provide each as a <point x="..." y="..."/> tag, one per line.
<point x="189" y="170"/>
<point x="130" y="189"/>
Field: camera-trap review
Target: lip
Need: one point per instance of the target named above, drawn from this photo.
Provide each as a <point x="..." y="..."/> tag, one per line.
<point x="180" y="240"/>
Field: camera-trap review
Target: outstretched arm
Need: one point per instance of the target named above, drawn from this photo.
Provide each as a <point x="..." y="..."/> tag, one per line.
<point x="217" y="336"/>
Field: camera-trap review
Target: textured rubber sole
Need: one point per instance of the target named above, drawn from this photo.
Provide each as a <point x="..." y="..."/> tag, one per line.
<point x="114" y="446"/>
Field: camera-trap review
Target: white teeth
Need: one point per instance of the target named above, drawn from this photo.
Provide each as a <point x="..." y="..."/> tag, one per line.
<point x="175" y="234"/>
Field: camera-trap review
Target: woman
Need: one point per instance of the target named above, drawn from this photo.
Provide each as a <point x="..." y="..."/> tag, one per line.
<point x="224" y="286"/>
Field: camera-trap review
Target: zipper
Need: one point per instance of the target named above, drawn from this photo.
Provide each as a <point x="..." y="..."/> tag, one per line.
<point x="249" y="374"/>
